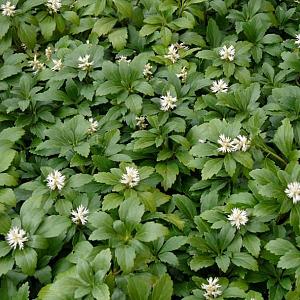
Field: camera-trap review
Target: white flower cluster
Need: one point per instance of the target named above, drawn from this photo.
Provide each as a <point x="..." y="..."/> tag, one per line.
<point x="183" y="74"/>
<point x="80" y="215"/>
<point x="131" y="178"/>
<point x="124" y="59"/>
<point x="53" y="5"/>
<point x="93" y="125"/>
<point x="84" y="63"/>
<point x="141" y="122"/>
<point x="219" y="86"/>
<point x="8" y="9"/>
<point x="147" y="71"/>
<point x="167" y="102"/>
<point x="227" y="53"/>
<point x="173" y="54"/>
<point x="16" y="237"/>
<point x="55" y="180"/>
<point x="238" y="217"/>
<point x="240" y="143"/>
<point x="297" y="42"/>
<point x="48" y="52"/>
<point x="57" y="65"/>
<point x="293" y="191"/>
<point x="212" y="289"/>
<point x="36" y="64"/>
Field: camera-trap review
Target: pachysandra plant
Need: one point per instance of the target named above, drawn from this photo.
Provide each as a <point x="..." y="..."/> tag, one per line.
<point x="149" y="150"/>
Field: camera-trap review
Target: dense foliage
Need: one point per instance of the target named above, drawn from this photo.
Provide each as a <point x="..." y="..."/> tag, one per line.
<point x="149" y="149"/>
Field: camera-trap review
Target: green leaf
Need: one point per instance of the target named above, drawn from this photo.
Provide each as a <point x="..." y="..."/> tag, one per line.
<point x="223" y="262"/>
<point x="201" y="261"/>
<point x="138" y="288"/>
<point x="289" y="260"/>
<point x="54" y="226"/>
<point x="104" y="25"/>
<point x="125" y="257"/>
<point x="7" y="197"/>
<point x="12" y="134"/>
<point x="173" y="243"/>
<point x="244" y="158"/>
<point x="234" y="292"/>
<point x="280" y="246"/>
<point x="130" y="211"/>
<point x="6" y="159"/>
<point x="283" y="137"/>
<point x="83" y="149"/>
<point x="211" y="167"/>
<point x="4" y="248"/>
<point x="107" y="178"/>
<point x="7" y="180"/>
<point x="26" y="259"/>
<point x="6" y="264"/>
<point x="163" y="288"/>
<point x="47" y="26"/>
<point x="4" y="26"/>
<point x="27" y="35"/>
<point x="103" y="222"/>
<point x="168" y="172"/>
<point x="111" y="201"/>
<point x="230" y="165"/>
<point x="101" y="292"/>
<point x="102" y="261"/>
<point x="252" y="244"/>
<point x="79" y="180"/>
<point x="244" y="260"/>
<point x="84" y="271"/>
<point x="118" y="38"/>
<point x="150" y="231"/>
<point x="23" y="292"/>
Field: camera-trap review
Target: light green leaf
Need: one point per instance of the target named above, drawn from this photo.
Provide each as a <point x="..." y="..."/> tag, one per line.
<point x="168" y="172"/>
<point x="54" y="226"/>
<point x="150" y="231"/>
<point x="118" y="38"/>
<point x="244" y="260"/>
<point x="163" y="288"/>
<point x="26" y="259"/>
<point x="280" y="246"/>
<point x="211" y="167"/>
<point x="283" y="137"/>
<point x="125" y="257"/>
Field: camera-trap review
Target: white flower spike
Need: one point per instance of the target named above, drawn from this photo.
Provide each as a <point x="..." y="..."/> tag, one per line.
<point x="124" y="59"/>
<point x="227" y="53"/>
<point x="183" y="74"/>
<point x="173" y="54"/>
<point x="57" y="65"/>
<point x="167" y="102"/>
<point x="8" y="9"/>
<point x="293" y="191"/>
<point x="93" y="125"/>
<point x="238" y="217"/>
<point x="84" y="63"/>
<point x="212" y="289"/>
<point x="219" y="86"/>
<point x="80" y="215"/>
<point x="241" y="143"/>
<point x="147" y="70"/>
<point x="53" y="6"/>
<point x="36" y="65"/>
<point x="141" y="122"/>
<point x="297" y="42"/>
<point x="55" y="180"/>
<point x="225" y="143"/>
<point x="131" y="178"/>
<point x="16" y="237"/>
